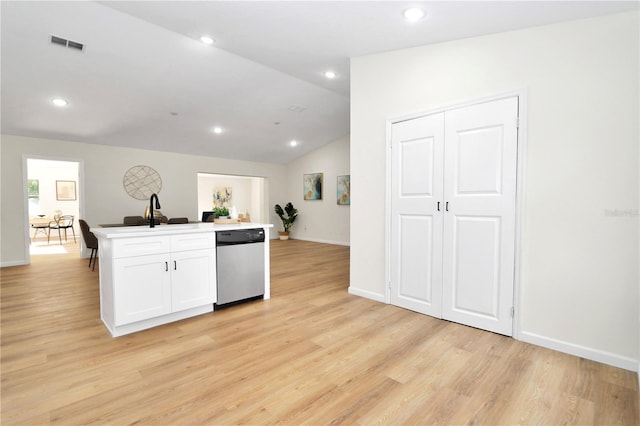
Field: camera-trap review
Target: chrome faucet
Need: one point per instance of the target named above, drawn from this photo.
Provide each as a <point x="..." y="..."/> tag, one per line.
<point x="152" y="219"/>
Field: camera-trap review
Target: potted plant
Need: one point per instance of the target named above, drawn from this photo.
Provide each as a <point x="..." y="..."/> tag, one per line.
<point x="287" y="221"/>
<point x="221" y="212"/>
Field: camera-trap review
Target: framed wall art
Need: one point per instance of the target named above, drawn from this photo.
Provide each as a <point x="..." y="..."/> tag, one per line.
<point x="312" y="186"/>
<point x="223" y="196"/>
<point x="65" y="190"/>
<point x="344" y="190"/>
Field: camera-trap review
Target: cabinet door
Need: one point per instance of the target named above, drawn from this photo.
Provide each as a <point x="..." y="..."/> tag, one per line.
<point x="193" y="281"/>
<point x="142" y="288"/>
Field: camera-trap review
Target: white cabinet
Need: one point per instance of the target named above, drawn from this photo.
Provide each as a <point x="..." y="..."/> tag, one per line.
<point x="142" y="289"/>
<point x="191" y="277"/>
<point x="193" y="271"/>
<point x="153" y="285"/>
<point x="148" y="281"/>
<point x="150" y="277"/>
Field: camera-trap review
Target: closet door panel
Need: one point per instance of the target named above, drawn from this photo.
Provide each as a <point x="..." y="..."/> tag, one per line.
<point x="479" y="219"/>
<point x="416" y="222"/>
<point x="477" y="264"/>
<point x="416" y="261"/>
<point x="479" y="147"/>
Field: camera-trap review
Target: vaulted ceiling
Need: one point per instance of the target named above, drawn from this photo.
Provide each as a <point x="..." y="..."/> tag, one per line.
<point x="144" y="79"/>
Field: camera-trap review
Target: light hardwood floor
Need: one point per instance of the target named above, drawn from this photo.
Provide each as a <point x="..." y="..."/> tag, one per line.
<point x="313" y="354"/>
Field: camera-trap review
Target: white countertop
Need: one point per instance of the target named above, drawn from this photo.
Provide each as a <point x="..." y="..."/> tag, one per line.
<point x="164" y="229"/>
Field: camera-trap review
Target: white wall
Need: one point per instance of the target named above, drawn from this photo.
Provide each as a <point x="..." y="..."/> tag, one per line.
<point x="104" y="199"/>
<point x="257" y="214"/>
<point x="579" y="278"/>
<point x="243" y="197"/>
<point x="319" y="220"/>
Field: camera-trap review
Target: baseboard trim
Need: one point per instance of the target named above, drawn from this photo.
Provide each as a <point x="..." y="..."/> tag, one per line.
<point x="13" y="263"/>
<point x="581" y="351"/>
<point x="366" y="294"/>
<point x="318" y="240"/>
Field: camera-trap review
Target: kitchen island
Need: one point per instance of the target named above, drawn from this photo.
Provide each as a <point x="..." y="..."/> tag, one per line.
<point x="153" y="276"/>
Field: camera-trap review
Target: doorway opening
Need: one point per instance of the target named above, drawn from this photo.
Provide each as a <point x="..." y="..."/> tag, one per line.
<point x="52" y="192"/>
<point x="244" y="193"/>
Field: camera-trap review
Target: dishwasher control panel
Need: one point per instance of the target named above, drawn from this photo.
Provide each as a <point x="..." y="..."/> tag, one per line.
<point x="240" y="236"/>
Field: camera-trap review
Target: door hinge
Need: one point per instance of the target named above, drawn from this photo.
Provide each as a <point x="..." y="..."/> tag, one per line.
<point x="389" y="285"/>
<point x="513" y="311"/>
<point x="517" y="122"/>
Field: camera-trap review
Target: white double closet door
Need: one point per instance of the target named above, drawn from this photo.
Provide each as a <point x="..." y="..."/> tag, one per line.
<point x="453" y="198"/>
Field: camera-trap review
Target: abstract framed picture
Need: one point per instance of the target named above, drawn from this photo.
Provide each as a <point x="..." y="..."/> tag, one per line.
<point x="65" y="190"/>
<point x="223" y="196"/>
<point x="312" y="186"/>
<point x="344" y="190"/>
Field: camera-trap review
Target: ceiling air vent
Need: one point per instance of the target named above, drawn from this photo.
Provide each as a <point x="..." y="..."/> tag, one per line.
<point x="75" y="45"/>
<point x="67" y="43"/>
<point x="58" y="40"/>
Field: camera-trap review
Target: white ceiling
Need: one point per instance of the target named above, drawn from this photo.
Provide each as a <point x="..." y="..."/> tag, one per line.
<point x="145" y="81"/>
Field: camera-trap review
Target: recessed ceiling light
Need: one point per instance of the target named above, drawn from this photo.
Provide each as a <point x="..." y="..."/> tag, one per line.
<point x="60" y="102"/>
<point x="330" y="74"/>
<point x="413" y="14"/>
<point x="217" y="130"/>
<point x="207" y="40"/>
<point x="293" y="143"/>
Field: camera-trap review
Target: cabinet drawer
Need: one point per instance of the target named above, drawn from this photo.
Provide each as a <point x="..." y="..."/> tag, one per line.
<point x="202" y="240"/>
<point x="127" y="247"/>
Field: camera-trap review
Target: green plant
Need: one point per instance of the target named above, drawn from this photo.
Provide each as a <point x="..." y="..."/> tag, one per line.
<point x="221" y="211"/>
<point x="291" y="214"/>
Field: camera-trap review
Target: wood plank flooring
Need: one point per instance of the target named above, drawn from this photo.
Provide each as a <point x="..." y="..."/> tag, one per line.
<point x="313" y="354"/>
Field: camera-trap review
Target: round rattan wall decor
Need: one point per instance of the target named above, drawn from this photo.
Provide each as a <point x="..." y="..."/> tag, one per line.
<point x="141" y="182"/>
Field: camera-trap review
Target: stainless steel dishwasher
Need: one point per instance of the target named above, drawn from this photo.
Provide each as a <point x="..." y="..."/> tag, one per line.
<point x="240" y="265"/>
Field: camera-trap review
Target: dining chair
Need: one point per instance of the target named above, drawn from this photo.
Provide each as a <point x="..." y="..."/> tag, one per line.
<point x="90" y="241"/>
<point x="175" y="220"/>
<point x="63" y="222"/>
<point x="133" y="220"/>
<point x="39" y="227"/>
